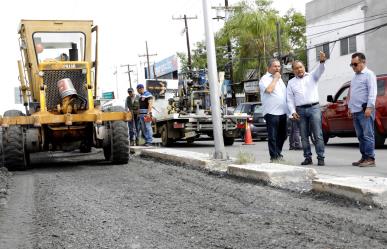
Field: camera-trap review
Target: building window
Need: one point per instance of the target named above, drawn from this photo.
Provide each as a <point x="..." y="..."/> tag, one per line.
<point x="324" y="48"/>
<point x="348" y="45"/>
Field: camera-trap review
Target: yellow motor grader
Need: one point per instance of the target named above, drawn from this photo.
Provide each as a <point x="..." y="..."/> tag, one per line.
<point x="58" y="77"/>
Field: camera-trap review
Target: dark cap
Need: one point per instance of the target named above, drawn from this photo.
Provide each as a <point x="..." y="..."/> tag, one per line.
<point x="130" y="90"/>
<point x="140" y="86"/>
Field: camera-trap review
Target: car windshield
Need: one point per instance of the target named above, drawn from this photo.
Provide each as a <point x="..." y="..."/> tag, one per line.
<point x="61" y="46"/>
<point x="258" y="109"/>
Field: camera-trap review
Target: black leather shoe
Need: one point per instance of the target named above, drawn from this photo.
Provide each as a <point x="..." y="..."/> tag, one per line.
<point x="307" y="161"/>
<point x="320" y="162"/>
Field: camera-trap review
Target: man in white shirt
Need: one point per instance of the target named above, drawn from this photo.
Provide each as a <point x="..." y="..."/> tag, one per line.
<point x="273" y="97"/>
<point x="303" y="104"/>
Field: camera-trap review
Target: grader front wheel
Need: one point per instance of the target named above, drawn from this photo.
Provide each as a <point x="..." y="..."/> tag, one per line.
<point x="15" y="154"/>
<point x="117" y="146"/>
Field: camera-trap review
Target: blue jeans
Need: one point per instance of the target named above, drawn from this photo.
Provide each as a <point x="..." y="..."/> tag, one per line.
<point x="294" y="135"/>
<point x="146" y="129"/>
<point x="310" y="122"/>
<point x="132" y="129"/>
<point x="365" y="133"/>
<point x="277" y="134"/>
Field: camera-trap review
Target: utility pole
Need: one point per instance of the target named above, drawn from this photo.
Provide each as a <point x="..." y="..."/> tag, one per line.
<point x="277" y="25"/>
<point x="116" y="74"/>
<point x="187" y="37"/>
<point x="220" y="152"/>
<point x="229" y="67"/>
<point x="147" y="57"/>
<point x="129" y="71"/>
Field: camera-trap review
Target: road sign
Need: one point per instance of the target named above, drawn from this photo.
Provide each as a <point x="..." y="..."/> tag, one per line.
<point x="108" y="95"/>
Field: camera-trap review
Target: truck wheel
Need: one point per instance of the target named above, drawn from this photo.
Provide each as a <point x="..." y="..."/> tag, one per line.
<point x="190" y="140"/>
<point x="379" y="139"/>
<point x="228" y="141"/>
<point x="165" y="141"/>
<point x="84" y="148"/>
<point x="14" y="150"/>
<point x="325" y="137"/>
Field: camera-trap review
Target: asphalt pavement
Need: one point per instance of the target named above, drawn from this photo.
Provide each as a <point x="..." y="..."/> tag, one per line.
<point x="339" y="155"/>
<point x="71" y="200"/>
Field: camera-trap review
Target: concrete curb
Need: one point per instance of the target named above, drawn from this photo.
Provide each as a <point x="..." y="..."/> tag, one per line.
<point x="187" y="158"/>
<point x="277" y="175"/>
<point x="367" y="189"/>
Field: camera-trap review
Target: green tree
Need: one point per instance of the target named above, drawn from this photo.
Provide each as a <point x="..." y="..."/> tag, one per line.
<point x="295" y="25"/>
<point x="252" y="30"/>
<point x="183" y="62"/>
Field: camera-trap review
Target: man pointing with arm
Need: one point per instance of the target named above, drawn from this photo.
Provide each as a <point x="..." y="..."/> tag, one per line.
<point x="303" y="104"/>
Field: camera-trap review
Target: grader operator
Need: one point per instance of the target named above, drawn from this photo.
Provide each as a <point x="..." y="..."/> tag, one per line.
<point x="58" y="77"/>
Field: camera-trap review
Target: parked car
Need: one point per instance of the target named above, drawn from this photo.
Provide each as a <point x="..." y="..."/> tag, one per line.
<point x="335" y="120"/>
<point x="257" y="123"/>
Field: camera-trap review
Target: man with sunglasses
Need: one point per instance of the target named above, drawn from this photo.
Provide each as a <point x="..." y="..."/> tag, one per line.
<point x="362" y="108"/>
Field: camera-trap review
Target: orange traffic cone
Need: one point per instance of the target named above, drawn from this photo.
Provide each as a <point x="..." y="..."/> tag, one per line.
<point x="248" y="138"/>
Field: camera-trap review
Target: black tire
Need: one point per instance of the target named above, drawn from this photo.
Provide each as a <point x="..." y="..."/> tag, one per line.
<point x="190" y="140"/>
<point x="15" y="155"/>
<point x="116" y="149"/>
<point x="379" y="139"/>
<point x="325" y="138"/>
<point x="228" y="141"/>
<point x="165" y="141"/>
<point x="84" y="148"/>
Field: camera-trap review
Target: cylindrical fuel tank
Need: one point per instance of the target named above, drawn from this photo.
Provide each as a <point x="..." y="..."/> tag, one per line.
<point x="66" y="87"/>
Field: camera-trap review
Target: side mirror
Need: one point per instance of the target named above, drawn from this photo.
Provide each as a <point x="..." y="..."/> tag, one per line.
<point x="330" y="98"/>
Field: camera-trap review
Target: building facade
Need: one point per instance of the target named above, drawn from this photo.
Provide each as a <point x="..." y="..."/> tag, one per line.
<point x="340" y="28"/>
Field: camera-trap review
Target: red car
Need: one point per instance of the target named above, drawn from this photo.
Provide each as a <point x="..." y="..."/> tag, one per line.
<point x="335" y="120"/>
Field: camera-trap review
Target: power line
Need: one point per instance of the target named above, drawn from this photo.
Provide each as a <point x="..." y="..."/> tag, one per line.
<point x="129" y="71"/>
<point x="349" y="20"/>
<point x="147" y="58"/>
<point x="338" y="10"/>
<point x="355" y="34"/>
<point x="185" y="18"/>
<point x="335" y="29"/>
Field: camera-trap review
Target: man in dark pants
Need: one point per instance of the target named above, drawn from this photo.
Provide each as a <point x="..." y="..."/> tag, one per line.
<point x="273" y="97"/>
<point x="303" y="103"/>
<point x="362" y="109"/>
<point x="132" y="105"/>
<point x="294" y="135"/>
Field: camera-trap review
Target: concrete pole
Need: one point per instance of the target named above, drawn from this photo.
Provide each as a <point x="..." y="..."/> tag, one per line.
<point x="220" y="152"/>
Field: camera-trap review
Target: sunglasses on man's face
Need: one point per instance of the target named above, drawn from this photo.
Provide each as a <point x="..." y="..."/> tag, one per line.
<point x="353" y="64"/>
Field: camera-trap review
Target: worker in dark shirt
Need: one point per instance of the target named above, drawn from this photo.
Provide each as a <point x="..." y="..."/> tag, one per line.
<point x="132" y="105"/>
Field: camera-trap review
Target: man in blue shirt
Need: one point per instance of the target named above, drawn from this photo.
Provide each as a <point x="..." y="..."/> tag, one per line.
<point x="145" y="114"/>
<point x="362" y="108"/>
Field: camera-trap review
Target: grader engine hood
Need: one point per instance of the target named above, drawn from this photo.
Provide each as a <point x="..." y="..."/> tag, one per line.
<point x="57" y="78"/>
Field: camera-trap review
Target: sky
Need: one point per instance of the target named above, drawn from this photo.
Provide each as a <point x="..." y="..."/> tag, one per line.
<point x="124" y="26"/>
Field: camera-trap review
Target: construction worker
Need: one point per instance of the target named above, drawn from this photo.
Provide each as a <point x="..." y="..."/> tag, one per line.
<point x="132" y="105"/>
<point x="145" y="114"/>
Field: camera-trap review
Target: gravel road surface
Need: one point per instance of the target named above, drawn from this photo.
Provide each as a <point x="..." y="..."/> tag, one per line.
<point x="77" y="201"/>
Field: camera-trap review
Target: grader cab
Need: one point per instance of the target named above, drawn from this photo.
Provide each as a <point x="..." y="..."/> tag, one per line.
<point x="58" y="77"/>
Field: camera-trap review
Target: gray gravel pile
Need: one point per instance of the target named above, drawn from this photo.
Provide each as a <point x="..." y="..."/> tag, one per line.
<point x="4" y="176"/>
